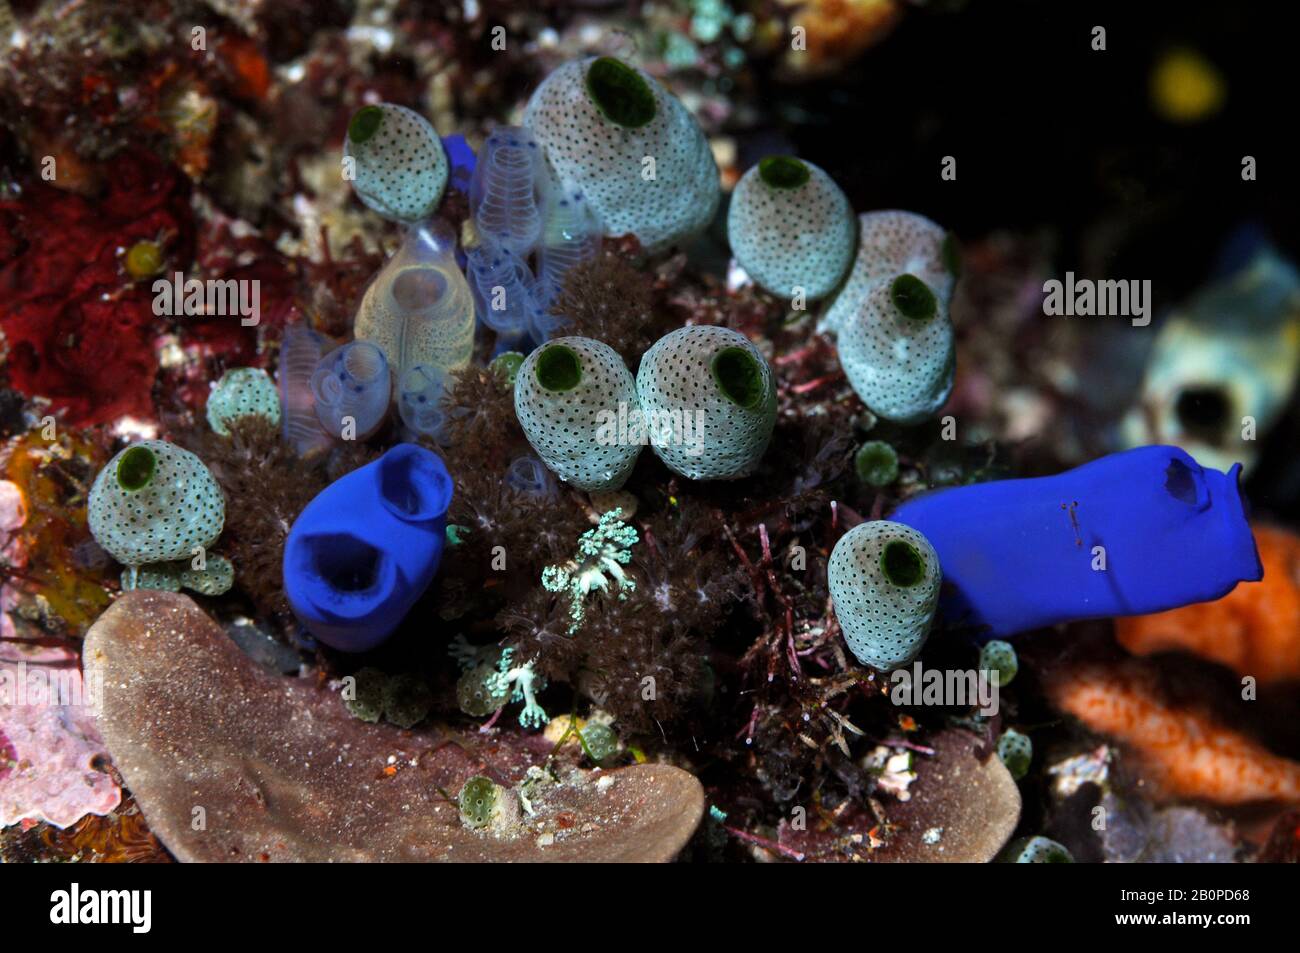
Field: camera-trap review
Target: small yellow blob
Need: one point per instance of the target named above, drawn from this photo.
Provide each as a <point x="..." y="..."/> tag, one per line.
<point x="143" y="259"/>
<point x="1186" y="87"/>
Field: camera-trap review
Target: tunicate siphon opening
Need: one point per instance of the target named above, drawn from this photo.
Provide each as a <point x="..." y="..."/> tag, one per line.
<point x="364" y="362"/>
<point x="418" y="288"/>
<point x="950" y="251"/>
<point x="738" y="376"/>
<point x="412" y="484"/>
<point x="783" y="172"/>
<point x="1203" y="413"/>
<point x="345" y="563"/>
<point x="558" y="368"/>
<point x="365" y="123"/>
<point x="902" y="564"/>
<point x="136" y="468"/>
<point x="913" y="298"/>
<point x="620" y="93"/>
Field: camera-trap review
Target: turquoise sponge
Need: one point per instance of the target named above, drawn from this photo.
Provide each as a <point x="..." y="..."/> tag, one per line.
<point x="708" y="398"/>
<point x="884" y="581"/>
<point x="791" y="228"/>
<point x="570" y="395"/>
<point x="615" y="136"/>
<point x="154" y="502"/>
<point x="399" y="167"/>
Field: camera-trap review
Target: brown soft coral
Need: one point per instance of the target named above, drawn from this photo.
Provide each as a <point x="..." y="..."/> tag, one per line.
<point x="266" y="486"/>
<point x="609" y="299"/>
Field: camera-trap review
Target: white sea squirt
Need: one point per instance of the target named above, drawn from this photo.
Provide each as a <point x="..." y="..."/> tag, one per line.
<point x="418" y="309"/>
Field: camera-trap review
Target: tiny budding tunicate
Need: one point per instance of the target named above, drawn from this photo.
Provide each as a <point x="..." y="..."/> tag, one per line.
<point x="708" y="399"/>
<point x="791" y="228"/>
<point x="399" y="166"/>
<point x="876" y="463"/>
<point x="884" y="582"/>
<point x="353" y="389"/>
<point x="242" y="392"/>
<point x="418" y="309"/>
<point x="1016" y="752"/>
<point x="599" y="121"/>
<point x="1035" y="850"/>
<point x="999" y="659"/>
<point x="570" y="396"/>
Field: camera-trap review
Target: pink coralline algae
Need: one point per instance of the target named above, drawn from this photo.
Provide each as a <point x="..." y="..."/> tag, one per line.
<point x="48" y="742"/>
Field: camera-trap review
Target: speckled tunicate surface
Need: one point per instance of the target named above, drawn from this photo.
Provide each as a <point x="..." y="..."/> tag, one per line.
<point x="283" y="772"/>
<point x="575" y="429"/>
<point x="241" y="392"/>
<point x="400" y="167"/>
<point x="901" y="366"/>
<point x="606" y="162"/>
<point x="890" y="243"/>
<point x="791" y="236"/>
<point x="885" y="623"/>
<point x="178" y="507"/>
<point x="697" y="429"/>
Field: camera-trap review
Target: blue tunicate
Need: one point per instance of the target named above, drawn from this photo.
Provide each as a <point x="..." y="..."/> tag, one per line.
<point x="419" y="401"/>
<point x="353" y="389"/>
<point x="300" y="352"/>
<point x="1132" y="533"/>
<point x="571" y="236"/>
<point x="363" y="551"/>
<point x="507" y="194"/>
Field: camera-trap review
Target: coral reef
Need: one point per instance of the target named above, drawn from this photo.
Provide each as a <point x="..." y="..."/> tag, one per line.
<point x="1182" y="751"/>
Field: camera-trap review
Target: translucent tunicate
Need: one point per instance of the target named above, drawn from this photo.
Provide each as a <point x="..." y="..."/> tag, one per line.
<point x="570" y="237"/>
<point x="503" y="288"/>
<point x="419" y="400"/>
<point x="300" y="352"/>
<point x="529" y="476"/>
<point x="418" y="309"/>
<point x="507" y="193"/>
<point x="353" y="388"/>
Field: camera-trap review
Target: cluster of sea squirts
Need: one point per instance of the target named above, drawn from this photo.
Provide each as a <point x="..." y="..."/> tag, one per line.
<point x="704" y="398"/>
